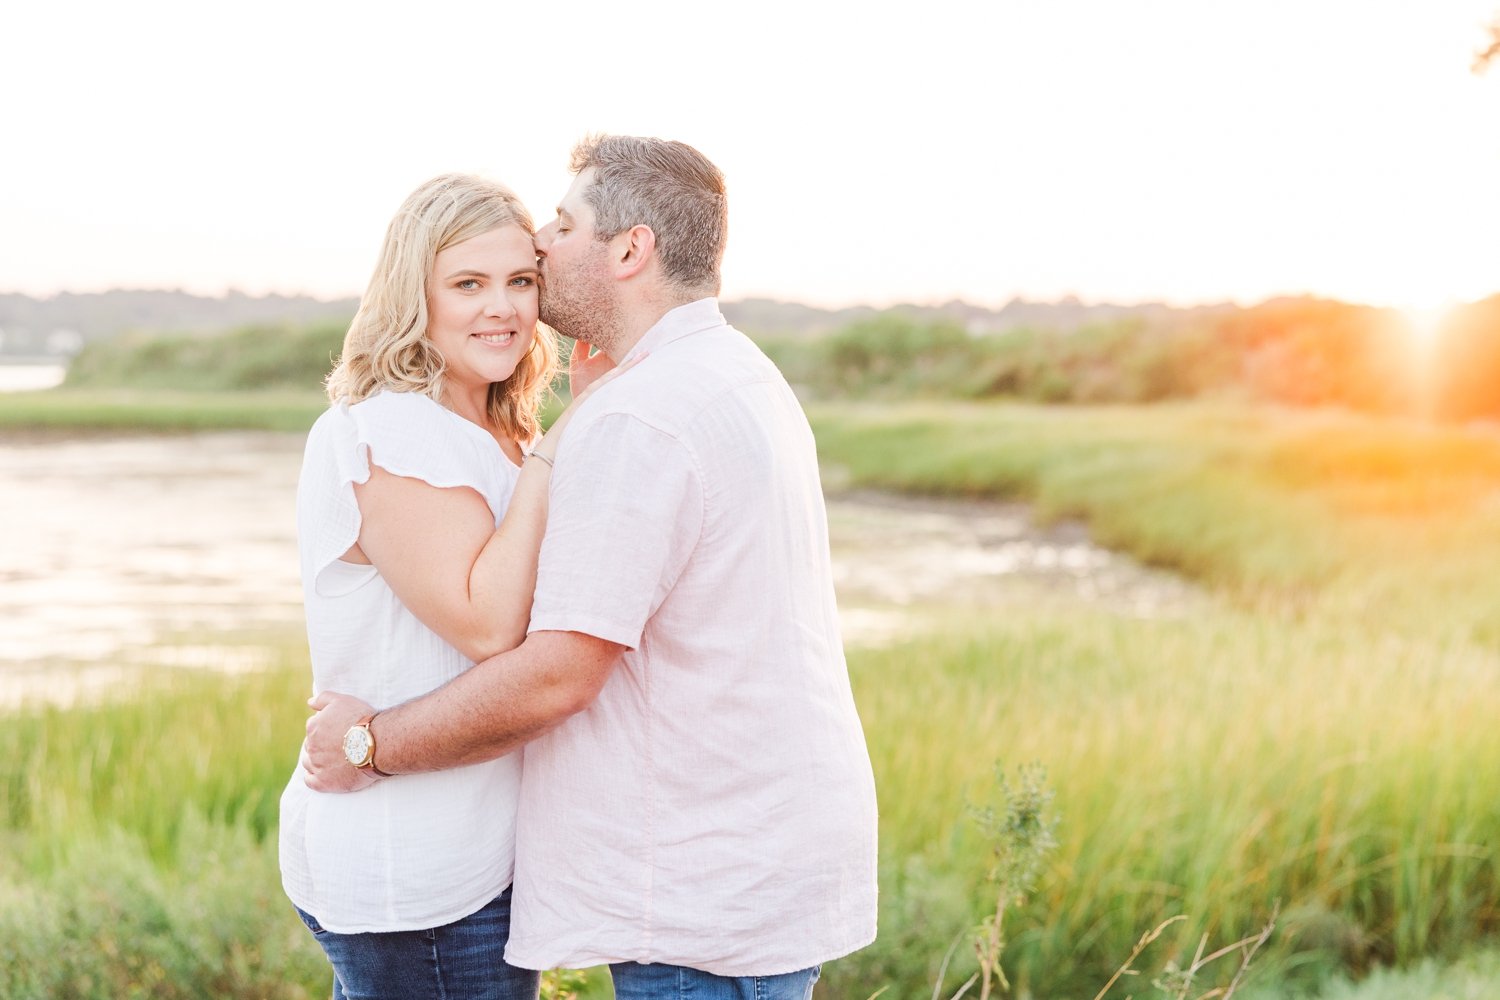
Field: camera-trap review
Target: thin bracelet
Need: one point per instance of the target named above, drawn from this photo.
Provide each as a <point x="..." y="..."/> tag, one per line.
<point x="539" y="455"/>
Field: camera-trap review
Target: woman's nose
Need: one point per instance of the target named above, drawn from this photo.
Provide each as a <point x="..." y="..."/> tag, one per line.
<point x="499" y="304"/>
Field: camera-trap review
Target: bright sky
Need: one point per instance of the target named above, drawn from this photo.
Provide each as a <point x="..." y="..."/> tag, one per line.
<point x="1186" y="150"/>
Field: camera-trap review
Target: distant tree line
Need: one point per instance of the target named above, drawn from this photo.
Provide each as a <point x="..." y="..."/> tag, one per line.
<point x="62" y="323"/>
<point x="1298" y="352"/>
<point x="256" y="356"/>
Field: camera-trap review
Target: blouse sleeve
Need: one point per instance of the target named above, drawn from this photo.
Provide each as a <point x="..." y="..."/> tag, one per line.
<point x="406" y="434"/>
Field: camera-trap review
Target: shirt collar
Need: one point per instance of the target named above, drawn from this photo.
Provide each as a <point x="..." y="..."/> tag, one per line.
<point x="683" y="321"/>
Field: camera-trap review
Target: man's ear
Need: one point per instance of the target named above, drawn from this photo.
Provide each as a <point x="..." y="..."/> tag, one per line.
<point x="636" y="248"/>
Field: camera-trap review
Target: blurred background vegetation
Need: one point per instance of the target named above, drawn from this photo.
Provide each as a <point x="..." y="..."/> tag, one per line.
<point x="1295" y="352"/>
<point x="1318" y="733"/>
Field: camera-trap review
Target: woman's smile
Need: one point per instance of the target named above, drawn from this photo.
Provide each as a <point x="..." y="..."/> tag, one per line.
<point x="489" y="280"/>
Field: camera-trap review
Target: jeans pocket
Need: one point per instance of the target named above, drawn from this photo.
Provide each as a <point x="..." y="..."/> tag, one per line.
<point x="310" y="921"/>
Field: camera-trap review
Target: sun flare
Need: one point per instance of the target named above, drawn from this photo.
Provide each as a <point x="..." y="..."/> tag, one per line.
<point x="1427" y="320"/>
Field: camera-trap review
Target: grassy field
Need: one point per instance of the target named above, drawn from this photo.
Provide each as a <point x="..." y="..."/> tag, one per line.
<point x="157" y="410"/>
<point x="1287" y="510"/>
<point x="1318" y="735"/>
<point x="141" y="849"/>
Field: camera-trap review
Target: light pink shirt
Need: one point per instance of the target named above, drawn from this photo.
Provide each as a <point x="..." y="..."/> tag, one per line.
<point x="714" y="807"/>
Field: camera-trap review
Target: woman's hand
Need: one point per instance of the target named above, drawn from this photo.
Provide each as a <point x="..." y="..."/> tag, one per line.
<point x="584" y="371"/>
<point x="548" y="445"/>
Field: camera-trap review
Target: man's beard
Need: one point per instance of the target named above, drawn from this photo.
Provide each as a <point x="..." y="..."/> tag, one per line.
<point x="584" y="307"/>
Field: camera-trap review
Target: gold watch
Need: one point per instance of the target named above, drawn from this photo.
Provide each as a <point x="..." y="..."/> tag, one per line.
<point x="359" y="745"/>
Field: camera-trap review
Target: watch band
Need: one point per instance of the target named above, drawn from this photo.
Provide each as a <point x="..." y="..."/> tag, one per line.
<point x="370" y="760"/>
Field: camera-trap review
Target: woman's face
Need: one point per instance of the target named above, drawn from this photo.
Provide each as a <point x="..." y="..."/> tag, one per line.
<point x="482" y="306"/>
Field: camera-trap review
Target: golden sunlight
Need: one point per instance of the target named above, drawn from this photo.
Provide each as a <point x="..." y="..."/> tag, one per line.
<point x="1426" y="322"/>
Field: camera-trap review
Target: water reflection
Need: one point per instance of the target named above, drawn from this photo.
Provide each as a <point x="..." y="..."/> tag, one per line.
<point x="26" y="378"/>
<point x="121" y="553"/>
<point x="116" y="552"/>
<point x="897" y="557"/>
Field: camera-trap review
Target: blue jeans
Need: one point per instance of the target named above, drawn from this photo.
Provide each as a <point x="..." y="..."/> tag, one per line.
<point x="634" y="981"/>
<point x="464" y="960"/>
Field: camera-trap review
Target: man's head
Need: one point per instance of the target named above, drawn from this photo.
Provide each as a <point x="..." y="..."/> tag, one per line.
<point x="639" y="208"/>
<point x="668" y="186"/>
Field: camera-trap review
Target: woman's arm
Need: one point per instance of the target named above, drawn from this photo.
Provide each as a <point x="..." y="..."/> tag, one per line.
<point x="441" y="555"/>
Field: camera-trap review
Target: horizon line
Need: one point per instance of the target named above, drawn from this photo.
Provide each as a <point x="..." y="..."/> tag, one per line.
<point x="1068" y="298"/>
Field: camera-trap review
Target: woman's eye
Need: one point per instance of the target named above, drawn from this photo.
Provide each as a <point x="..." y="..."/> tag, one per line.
<point x="469" y="284"/>
<point x="523" y="281"/>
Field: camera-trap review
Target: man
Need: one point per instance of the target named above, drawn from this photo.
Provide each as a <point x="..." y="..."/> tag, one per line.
<point x="697" y="807"/>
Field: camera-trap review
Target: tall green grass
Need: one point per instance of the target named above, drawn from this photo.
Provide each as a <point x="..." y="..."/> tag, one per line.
<point x="140" y="843"/>
<point x="157" y="411"/>
<point x="1474" y="977"/>
<point x="260" y="356"/>
<point x="1318" y="733"/>
<point x="108" y="919"/>
<point x="218" y="748"/>
<point x="1210" y="767"/>
<point x="1349" y="514"/>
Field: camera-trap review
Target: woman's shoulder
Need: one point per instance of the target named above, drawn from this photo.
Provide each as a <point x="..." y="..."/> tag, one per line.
<point x="379" y="414"/>
<point x="411" y="434"/>
<point x="388" y="403"/>
<point x="403" y="416"/>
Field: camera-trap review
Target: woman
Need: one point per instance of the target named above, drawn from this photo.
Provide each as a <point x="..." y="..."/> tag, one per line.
<point x="410" y="575"/>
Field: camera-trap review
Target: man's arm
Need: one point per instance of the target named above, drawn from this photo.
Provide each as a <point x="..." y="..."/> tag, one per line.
<point x="489" y="710"/>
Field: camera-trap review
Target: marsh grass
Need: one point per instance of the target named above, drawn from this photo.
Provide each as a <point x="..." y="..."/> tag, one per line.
<point x="1319" y="733"/>
<point x="1321" y="511"/>
<point x="140" y="853"/>
<point x="145" y="411"/>
<point x="1473" y="977"/>
<point x="106" y="917"/>
<point x="157" y="411"/>
<point x="1206" y="768"/>
<point x="259" y="356"/>
<point x="182" y="740"/>
<point x="140" y="843"/>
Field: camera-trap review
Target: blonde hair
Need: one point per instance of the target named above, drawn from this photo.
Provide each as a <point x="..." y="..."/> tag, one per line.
<point x="387" y="345"/>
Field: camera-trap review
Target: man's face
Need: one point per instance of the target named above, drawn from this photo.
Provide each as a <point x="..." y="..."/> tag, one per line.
<point x="577" y="297"/>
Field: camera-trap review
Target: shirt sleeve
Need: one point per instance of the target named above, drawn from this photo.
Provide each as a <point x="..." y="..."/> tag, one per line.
<point x="407" y="435"/>
<point x="625" y="513"/>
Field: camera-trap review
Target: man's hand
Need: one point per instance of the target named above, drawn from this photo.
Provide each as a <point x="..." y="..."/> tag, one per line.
<point x="324" y="766"/>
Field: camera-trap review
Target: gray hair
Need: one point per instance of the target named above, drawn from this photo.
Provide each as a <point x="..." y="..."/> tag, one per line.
<point x="668" y="186"/>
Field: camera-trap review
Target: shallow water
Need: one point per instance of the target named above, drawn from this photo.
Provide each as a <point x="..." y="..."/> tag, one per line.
<point x="180" y="552"/>
<point x="116" y="552"/>
<point x="898" y="559"/>
<point x="26" y="378"/>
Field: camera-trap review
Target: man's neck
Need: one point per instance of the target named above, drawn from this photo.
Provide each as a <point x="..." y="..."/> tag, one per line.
<point x="638" y="318"/>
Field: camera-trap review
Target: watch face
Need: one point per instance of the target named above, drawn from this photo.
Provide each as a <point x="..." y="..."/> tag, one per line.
<point x="357" y="745"/>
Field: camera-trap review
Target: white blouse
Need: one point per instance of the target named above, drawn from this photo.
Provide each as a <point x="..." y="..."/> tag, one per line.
<point x="419" y="850"/>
